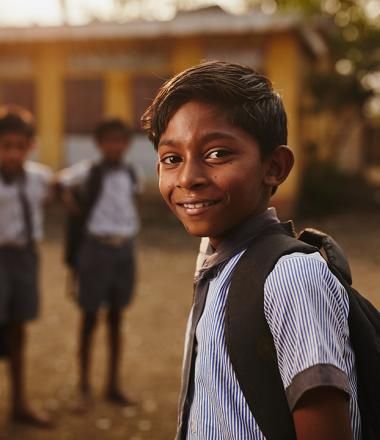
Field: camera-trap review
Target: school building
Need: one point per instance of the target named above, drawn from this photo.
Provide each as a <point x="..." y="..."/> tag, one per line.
<point x="71" y="76"/>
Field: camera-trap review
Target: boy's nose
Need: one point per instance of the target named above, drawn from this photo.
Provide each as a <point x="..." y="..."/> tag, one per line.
<point x="192" y="174"/>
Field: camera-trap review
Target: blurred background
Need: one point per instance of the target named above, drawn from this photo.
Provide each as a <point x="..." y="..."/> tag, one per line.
<point x="72" y="62"/>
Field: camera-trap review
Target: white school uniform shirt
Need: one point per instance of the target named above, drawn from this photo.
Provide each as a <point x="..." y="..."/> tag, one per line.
<point x="12" y="225"/>
<point x="115" y="212"/>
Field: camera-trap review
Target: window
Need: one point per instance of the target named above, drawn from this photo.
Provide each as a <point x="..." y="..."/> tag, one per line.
<point x="18" y="92"/>
<point x="84" y="105"/>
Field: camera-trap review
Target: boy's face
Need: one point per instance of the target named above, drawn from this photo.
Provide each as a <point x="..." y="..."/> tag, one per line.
<point x="113" y="145"/>
<point x="14" y="149"/>
<point x="211" y="173"/>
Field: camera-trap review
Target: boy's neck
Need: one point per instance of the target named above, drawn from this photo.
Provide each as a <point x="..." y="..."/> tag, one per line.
<point x="11" y="175"/>
<point x="239" y="237"/>
<point x="244" y="227"/>
<point x="111" y="162"/>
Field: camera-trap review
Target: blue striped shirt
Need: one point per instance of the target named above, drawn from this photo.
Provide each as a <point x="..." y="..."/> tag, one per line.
<point x="307" y="309"/>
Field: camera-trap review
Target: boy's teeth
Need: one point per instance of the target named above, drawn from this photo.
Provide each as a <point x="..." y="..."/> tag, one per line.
<point x="196" y="205"/>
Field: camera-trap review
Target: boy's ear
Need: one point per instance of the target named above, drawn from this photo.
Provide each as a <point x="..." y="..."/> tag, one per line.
<point x="280" y="163"/>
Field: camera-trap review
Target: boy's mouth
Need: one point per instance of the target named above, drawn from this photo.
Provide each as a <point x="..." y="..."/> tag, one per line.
<point x="197" y="207"/>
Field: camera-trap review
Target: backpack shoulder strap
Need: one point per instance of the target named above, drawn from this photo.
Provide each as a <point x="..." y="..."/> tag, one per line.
<point x="334" y="253"/>
<point x="249" y="340"/>
<point x="131" y="171"/>
<point x="86" y="197"/>
<point x="92" y="187"/>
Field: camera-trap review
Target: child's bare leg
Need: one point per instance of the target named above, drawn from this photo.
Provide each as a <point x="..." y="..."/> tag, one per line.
<point x="88" y="325"/>
<point x="114" y="334"/>
<point x="21" y="411"/>
<point x="114" y="392"/>
<point x="16" y="358"/>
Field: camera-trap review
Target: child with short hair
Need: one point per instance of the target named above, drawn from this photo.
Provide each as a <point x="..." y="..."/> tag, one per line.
<point x="24" y="188"/>
<point x="220" y="131"/>
<point x="101" y="194"/>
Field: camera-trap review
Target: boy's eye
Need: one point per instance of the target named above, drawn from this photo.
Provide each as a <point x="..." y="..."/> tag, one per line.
<point x="170" y="160"/>
<point x="218" y="154"/>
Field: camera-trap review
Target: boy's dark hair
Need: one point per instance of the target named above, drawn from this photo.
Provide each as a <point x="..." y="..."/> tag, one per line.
<point x="16" y="119"/>
<point x="109" y="125"/>
<point x="246" y="96"/>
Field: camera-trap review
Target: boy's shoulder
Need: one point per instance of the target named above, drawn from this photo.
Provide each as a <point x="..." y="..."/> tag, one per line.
<point x="78" y="173"/>
<point x="298" y="261"/>
<point x="303" y="278"/>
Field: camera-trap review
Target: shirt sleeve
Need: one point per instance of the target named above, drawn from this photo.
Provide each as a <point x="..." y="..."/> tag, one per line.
<point x="42" y="177"/>
<point x="74" y="175"/>
<point x="306" y="308"/>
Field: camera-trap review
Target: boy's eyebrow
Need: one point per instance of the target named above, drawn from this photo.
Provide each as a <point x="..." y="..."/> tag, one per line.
<point x="168" y="142"/>
<point x="208" y="137"/>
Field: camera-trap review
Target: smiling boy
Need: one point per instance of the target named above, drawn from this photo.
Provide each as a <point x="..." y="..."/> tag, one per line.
<point x="220" y="131"/>
<point x="102" y="195"/>
<point x="24" y="188"/>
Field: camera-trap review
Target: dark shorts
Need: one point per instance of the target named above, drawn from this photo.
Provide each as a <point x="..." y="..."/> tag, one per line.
<point x="19" y="295"/>
<point x="106" y="275"/>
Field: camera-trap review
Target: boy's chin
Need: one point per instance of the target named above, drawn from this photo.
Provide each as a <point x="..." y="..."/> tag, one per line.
<point x="197" y="231"/>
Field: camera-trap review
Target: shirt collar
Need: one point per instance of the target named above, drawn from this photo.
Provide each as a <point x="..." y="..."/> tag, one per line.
<point x="237" y="240"/>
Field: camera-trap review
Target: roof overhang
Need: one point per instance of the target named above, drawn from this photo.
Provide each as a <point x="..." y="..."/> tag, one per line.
<point x="201" y="22"/>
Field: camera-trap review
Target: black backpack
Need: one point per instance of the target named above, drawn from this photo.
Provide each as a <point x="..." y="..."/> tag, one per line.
<point x="86" y="196"/>
<point x="4" y="341"/>
<point x="250" y="343"/>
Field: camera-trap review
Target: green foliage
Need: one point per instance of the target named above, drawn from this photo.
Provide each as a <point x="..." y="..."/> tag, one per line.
<point x="352" y="35"/>
<point x="308" y="7"/>
<point x="353" y="38"/>
<point x="335" y="91"/>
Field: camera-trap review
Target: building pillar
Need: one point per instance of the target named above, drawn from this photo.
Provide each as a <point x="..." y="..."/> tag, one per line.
<point x="284" y="68"/>
<point x="118" y="95"/>
<point x="186" y="53"/>
<point x="50" y="105"/>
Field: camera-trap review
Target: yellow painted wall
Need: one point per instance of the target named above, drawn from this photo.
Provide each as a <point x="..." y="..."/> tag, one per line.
<point x="282" y="58"/>
<point x="50" y="69"/>
<point x="283" y="67"/>
<point x="186" y="53"/>
<point x="118" y="88"/>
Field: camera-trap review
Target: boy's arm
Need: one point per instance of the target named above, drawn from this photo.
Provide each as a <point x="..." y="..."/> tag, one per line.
<point x="68" y="181"/>
<point x="323" y="413"/>
<point x="307" y="311"/>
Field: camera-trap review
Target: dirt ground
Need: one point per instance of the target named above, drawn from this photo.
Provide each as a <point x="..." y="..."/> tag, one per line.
<point x="153" y="331"/>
